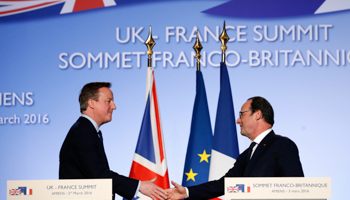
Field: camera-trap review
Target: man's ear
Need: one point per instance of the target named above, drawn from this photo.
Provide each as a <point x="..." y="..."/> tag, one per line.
<point x="258" y="115"/>
<point x="91" y="103"/>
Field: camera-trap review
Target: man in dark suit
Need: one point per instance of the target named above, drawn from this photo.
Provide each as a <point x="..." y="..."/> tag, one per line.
<point x="82" y="154"/>
<point x="269" y="155"/>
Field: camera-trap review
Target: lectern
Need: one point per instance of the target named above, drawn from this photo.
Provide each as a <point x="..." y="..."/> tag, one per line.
<point x="278" y="188"/>
<point x="72" y="189"/>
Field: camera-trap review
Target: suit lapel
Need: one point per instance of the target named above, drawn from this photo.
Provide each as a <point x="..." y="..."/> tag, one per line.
<point x="96" y="138"/>
<point x="102" y="149"/>
<point x="260" y="150"/>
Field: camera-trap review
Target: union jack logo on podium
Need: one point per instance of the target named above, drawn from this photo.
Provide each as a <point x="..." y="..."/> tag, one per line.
<point x="15" y="192"/>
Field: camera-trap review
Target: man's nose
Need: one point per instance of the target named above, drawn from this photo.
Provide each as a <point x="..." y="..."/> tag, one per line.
<point x="113" y="106"/>
<point x="238" y="121"/>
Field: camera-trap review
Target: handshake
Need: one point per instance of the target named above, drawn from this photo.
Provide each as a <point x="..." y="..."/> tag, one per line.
<point x="155" y="192"/>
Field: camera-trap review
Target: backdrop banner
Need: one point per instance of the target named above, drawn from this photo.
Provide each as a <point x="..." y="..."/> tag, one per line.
<point x="295" y="53"/>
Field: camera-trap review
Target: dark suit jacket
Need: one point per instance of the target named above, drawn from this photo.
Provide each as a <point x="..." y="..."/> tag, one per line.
<point x="275" y="156"/>
<point x="82" y="156"/>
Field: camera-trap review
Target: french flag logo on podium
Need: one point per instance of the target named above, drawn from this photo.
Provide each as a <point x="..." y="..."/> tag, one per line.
<point x="149" y="159"/>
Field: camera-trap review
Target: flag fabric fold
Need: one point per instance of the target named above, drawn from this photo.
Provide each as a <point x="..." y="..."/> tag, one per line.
<point x="149" y="159"/>
<point x="225" y="144"/>
<point x="49" y="7"/>
<point x="197" y="161"/>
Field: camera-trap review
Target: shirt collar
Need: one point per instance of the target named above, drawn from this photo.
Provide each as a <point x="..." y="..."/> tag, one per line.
<point x="92" y="121"/>
<point x="262" y="136"/>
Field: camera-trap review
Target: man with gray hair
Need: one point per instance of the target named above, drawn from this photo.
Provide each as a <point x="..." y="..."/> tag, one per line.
<point x="269" y="155"/>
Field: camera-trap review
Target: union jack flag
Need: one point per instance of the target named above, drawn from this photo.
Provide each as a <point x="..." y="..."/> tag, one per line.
<point x="149" y="159"/>
<point x="231" y="189"/>
<point x="13" y="7"/>
<point x="15" y="192"/>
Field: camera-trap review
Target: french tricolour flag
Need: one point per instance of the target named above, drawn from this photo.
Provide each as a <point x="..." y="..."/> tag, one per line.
<point x="225" y="143"/>
<point x="149" y="159"/>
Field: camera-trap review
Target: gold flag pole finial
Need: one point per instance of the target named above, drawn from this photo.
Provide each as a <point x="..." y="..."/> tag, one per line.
<point x="198" y="47"/>
<point x="224" y="39"/>
<point x="150" y="44"/>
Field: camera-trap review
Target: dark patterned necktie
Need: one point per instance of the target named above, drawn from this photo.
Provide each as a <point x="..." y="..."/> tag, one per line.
<point x="250" y="149"/>
<point x="100" y="136"/>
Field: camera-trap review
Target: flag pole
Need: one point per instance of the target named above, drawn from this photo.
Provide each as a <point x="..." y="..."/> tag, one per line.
<point x="224" y="39"/>
<point x="198" y="47"/>
<point x="150" y="44"/>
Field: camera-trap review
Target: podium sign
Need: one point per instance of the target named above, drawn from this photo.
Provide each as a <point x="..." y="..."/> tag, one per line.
<point x="277" y="188"/>
<point x="87" y="189"/>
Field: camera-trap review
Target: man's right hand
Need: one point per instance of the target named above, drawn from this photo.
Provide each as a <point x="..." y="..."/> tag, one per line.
<point x="150" y="189"/>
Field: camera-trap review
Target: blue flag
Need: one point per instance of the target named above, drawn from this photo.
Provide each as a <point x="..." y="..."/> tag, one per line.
<point x="225" y="143"/>
<point x="197" y="162"/>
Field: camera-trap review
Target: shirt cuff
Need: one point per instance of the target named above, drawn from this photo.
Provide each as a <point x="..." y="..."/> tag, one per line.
<point x="187" y="192"/>
<point x="137" y="190"/>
